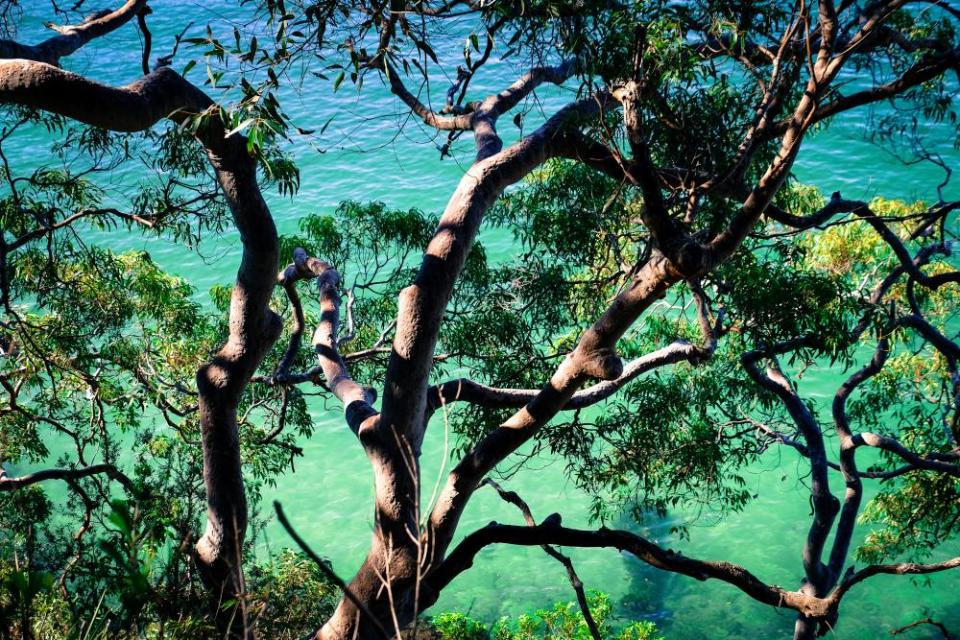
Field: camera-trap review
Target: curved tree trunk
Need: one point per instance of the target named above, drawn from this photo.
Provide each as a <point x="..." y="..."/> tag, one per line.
<point x="221" y="382"/>
<point x="253" y="326"/>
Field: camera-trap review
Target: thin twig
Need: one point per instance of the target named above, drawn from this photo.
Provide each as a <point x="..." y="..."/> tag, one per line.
<point x="513" y="498"/>
<point x="328" y="571"/>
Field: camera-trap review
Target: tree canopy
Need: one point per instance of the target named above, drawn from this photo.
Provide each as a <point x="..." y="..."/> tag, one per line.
<point x="669" y="284"/>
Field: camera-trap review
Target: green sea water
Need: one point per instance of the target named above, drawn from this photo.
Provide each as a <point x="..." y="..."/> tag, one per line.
<point x="373" y="150"/>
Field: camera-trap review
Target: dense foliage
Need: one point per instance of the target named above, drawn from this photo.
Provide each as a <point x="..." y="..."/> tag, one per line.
<point x="100" y="346"/>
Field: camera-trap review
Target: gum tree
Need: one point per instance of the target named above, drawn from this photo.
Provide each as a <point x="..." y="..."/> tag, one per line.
<point x="670" y="285"/>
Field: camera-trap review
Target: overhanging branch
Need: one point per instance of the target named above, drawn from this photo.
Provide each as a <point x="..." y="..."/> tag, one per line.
<point x="8" y="483"/>
<point x="72" y="37"/>
<point x="551" y="532"/>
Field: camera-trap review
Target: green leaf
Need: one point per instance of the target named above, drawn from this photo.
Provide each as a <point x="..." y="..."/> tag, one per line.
<point x="243" y="125"/>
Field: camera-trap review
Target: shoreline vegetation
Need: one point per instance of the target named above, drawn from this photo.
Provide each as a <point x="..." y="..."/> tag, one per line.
<point x="671" y="318"/>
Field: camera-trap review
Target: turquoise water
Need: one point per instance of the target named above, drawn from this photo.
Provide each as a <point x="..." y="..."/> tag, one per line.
<point x="373" y="150"/>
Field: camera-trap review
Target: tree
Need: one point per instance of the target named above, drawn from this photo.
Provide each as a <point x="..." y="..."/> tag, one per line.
<point x="667" y="178"/>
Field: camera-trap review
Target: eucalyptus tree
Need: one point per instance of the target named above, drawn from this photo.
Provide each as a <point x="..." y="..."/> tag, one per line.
<point x="662" y="191"/>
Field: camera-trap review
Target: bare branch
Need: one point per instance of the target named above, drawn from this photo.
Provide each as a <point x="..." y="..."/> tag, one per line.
<point x="8" y="483"/>
<point x="427" y="115"/>
<point x="514" y="499"/>
<point x="72" y="37"/>
<point x="898" y="568"/>
<point x="480" y="117"/>
<point x="790" y="441"/>
<point x="357" y="400"/>
<point x="939" y="625"/>
<point x="835" y="206"/>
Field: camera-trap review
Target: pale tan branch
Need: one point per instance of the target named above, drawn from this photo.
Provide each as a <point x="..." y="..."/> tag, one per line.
<point x="357" y="400"/>
<point x="466" y="390"/>
<point x="930" y="621"/>
<point x="69" y="38"/>
<point x="135" y="107"/>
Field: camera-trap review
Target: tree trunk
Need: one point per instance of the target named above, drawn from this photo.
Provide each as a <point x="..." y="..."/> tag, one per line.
<point x="388" y="581"/>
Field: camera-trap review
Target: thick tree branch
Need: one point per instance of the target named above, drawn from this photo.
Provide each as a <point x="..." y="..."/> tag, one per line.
<point x="594" y="356"/>
<point x="848" y="463"/>
<point x="928" y="68"/>
<point x="422" y="305"/>
<point x="466" y="390"/>
<point x="667" y="233"/>
<point x="253" y="326"/>
<point x="462" y="557"/>
<point x="135" y="107"/>
<point x="357" y="400"/>
<point x="550" y="532"/>
<point x="825" y="504"/>
<point x="72" y="37"/>
<point x="328" y="571"/>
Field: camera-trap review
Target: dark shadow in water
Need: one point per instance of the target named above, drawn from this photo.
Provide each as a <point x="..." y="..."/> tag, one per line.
<point x="646" y="596"/>
<point x="948" y="616"/>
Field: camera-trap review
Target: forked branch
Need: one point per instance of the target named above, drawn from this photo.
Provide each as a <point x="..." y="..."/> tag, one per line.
<point x="467" y="390"/>
<point x="357" y="400"/>
<point x="69" y="38"/>
<point x="513" y="498"/>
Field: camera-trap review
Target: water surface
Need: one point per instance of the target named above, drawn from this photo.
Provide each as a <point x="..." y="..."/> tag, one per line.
<point x="374" y="150"/>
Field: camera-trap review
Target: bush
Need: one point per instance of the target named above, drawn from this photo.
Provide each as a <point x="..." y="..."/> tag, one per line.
<point x="291" y="596"/>
<point x="458" y="626"/>
<point x="564" y="621"/>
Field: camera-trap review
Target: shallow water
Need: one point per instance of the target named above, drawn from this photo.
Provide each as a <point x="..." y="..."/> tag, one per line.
<point x="373" y="151"/>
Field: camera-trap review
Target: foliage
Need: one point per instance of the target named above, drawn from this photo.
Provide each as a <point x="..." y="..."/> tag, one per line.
<point x="295" y="595"/>
<point x="458" y="626"/>
<point x="564" y="621"/>
<point x="100" y="345"/>
<point x="290" y="596"/>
